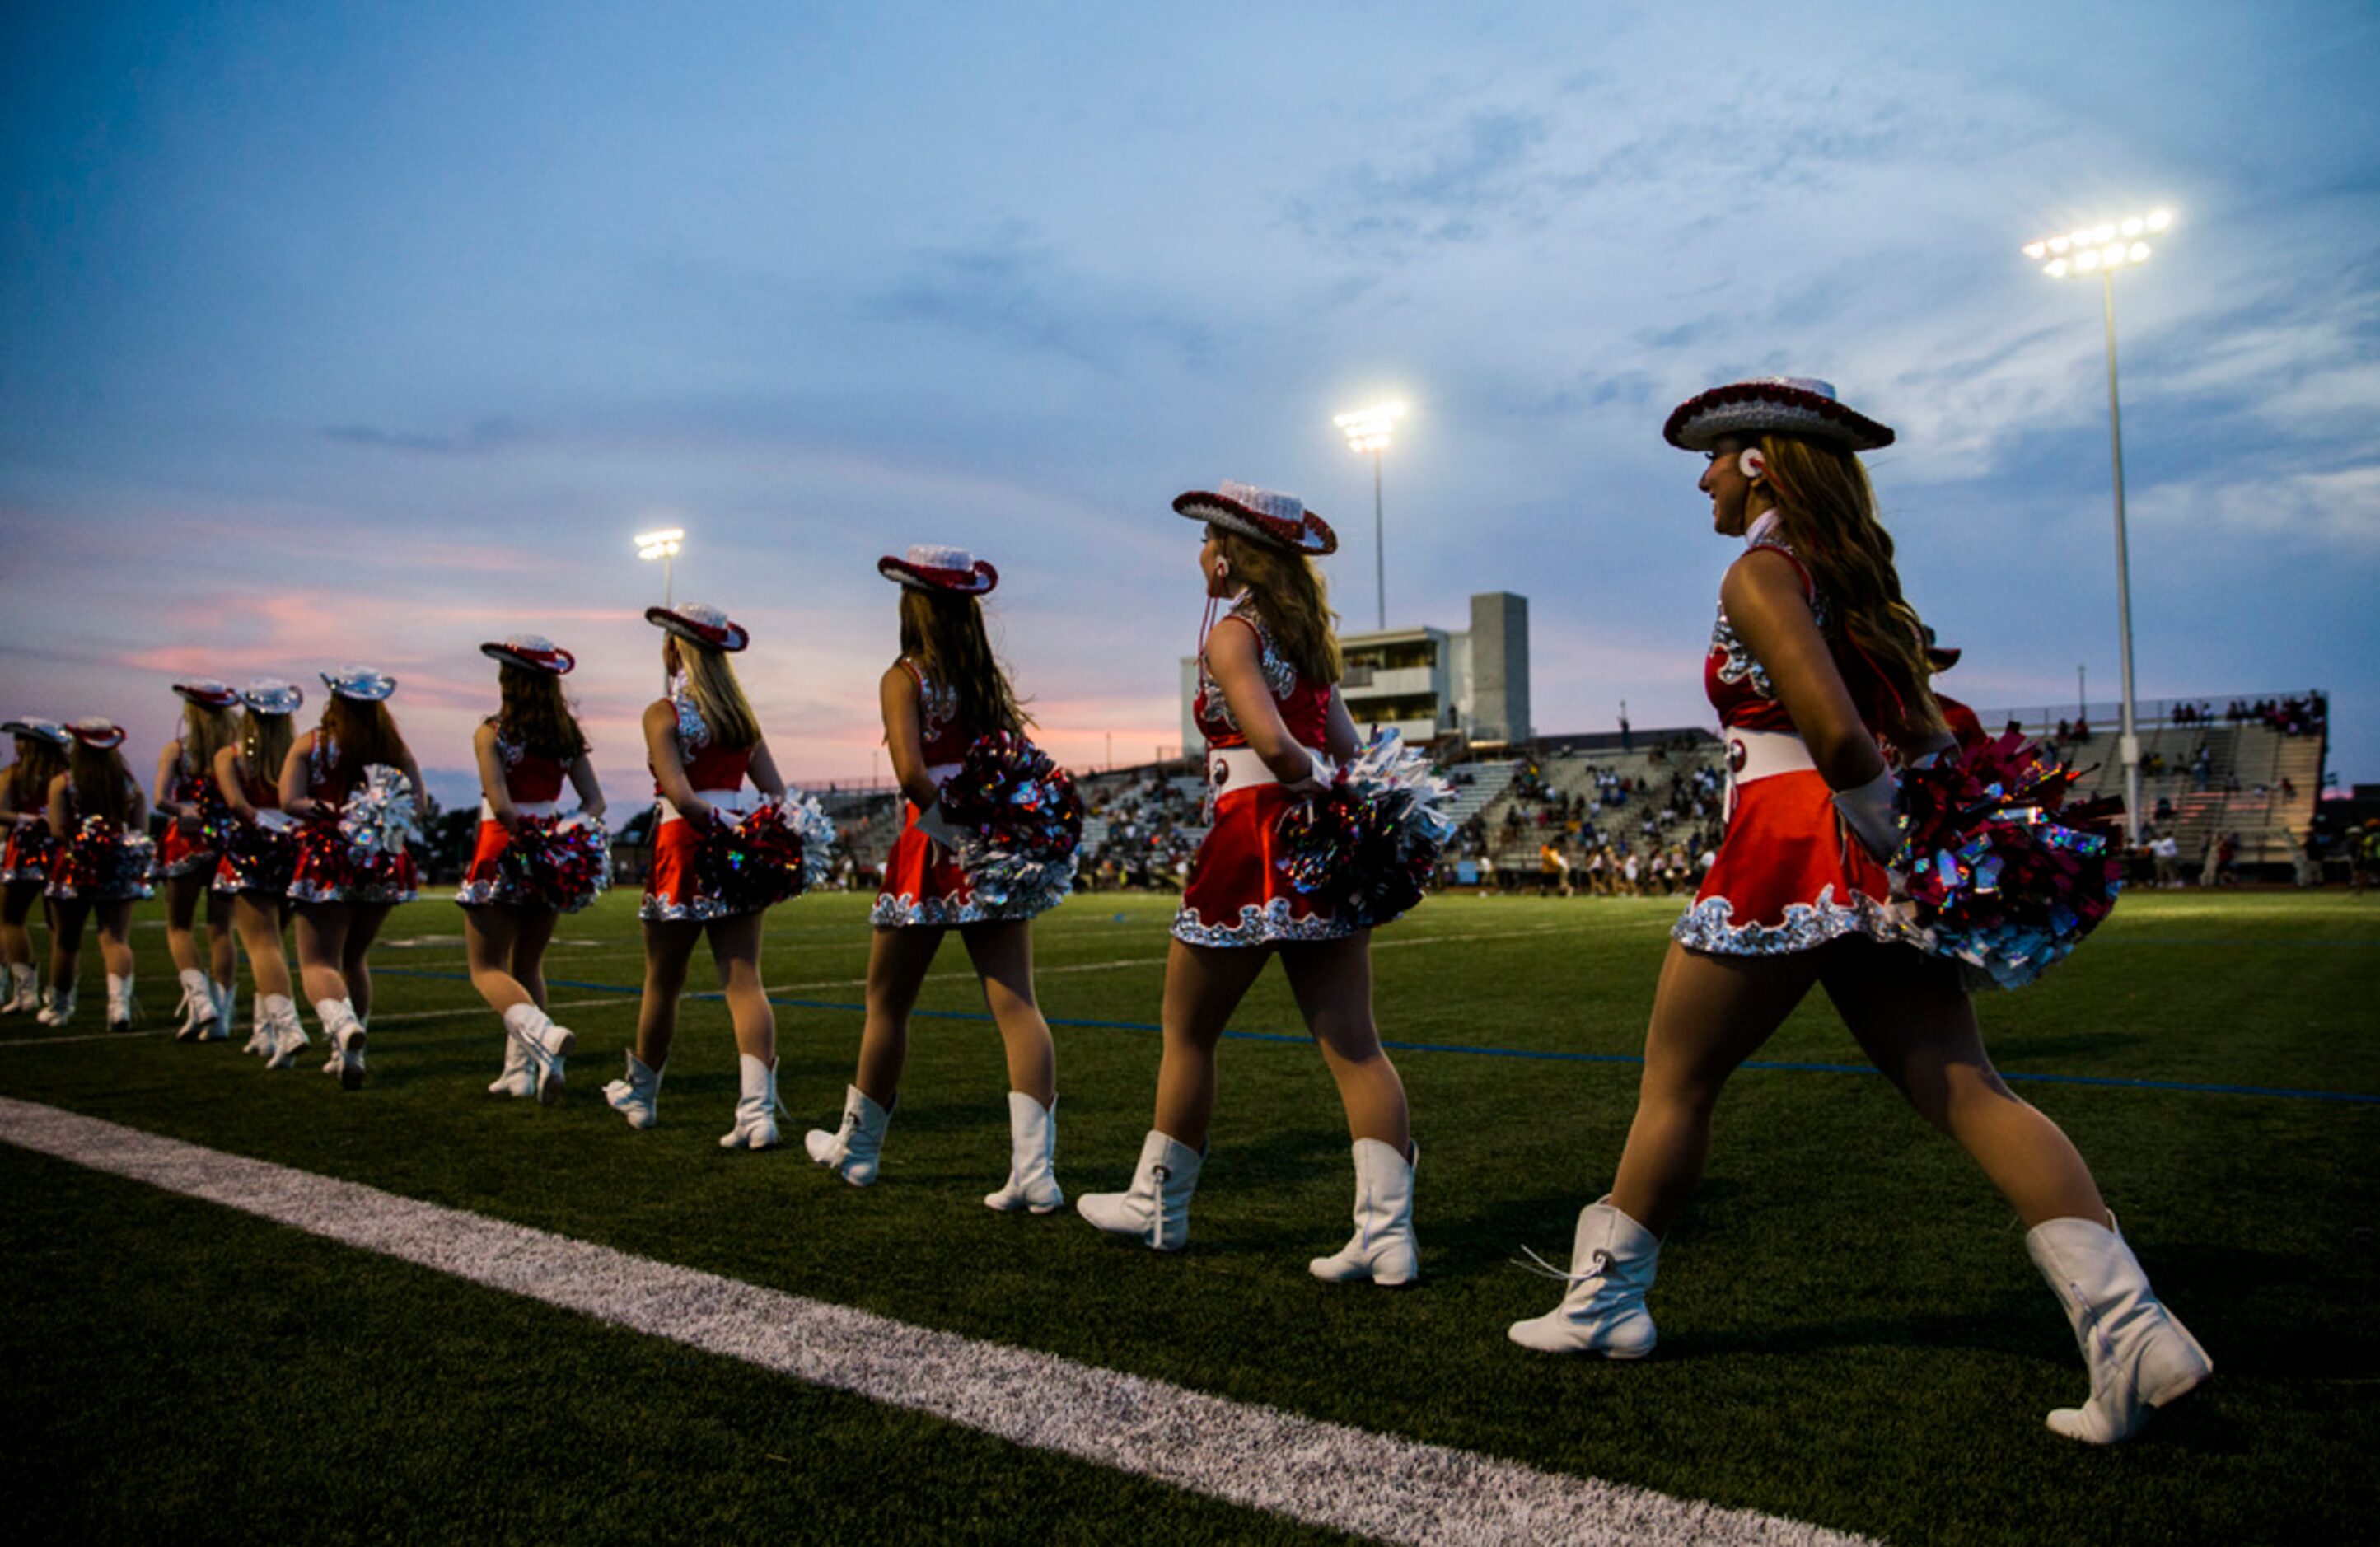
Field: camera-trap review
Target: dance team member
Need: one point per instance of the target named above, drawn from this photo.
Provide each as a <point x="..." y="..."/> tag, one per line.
<point x="340" y="912"/>
<point x="1270" y="708"/>
<point x="701" y="740"/>
<point x="259" y="860"/>
<point x="30" y="852"/>
<point x="93" y="876"/>
<point x="525" y="752"/>
<point x="946" y="690"/>
<point x="186" y="857"/>
<point x="1817" y="668"/>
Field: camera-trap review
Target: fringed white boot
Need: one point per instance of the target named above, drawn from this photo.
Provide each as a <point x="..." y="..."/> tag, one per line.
<point x="284" y="1034"/>
<point x="637" y="1096"/>
<point x="1611" y="1264"/>
<point x="756" y="1107"/>
<point x="197" y="1007"/>
<point x="544" y="1044"/>
<point x="1032" y="1148"/>
<point x="345" y="1033"/>
<point x="1157" y="1209"/>
<point x="24" y="990"/>
<point x="123" y="1010"/>
<point x="1383" y="1248"/>
<point x="2139" y="1355"/>
<point x="855" y="1148"/>
<point x="57" y="1007"/>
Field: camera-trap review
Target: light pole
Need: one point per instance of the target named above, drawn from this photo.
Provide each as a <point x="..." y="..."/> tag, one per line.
<point x="2101" y="249"/>
<point x="1367" y="430"/>
<point x="664" y="545"/>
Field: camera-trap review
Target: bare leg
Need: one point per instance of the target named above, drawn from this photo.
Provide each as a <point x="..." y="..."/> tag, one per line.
<point x="223" y="961"/>
<point x="1332" y="981"/>
<point x="1203" y="985"/>
<point x="1002" y="954"/>
<point x="489" y="941"/>
<point x="897" y="960"/>
<point x="354" y="963"/>
<point x="16" y="907"/>
<point x="1709" y="1014"/>
<point x="182" y="895"/>
<point x="532" y="932"/>
<point x="115" y="937"/>
<point x="668" y="948"/>
<point x="259" y="922"/>
<point x="66" y="942"/>
<point x="322" y="947"/>
<point x="736" y="948"/>
<point x="1913" y="1020"/>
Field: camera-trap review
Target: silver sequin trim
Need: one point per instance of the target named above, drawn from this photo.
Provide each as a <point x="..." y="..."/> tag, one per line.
<point x="1260" y="926"/>
<point x="1740" y="664"/>
<point x="702" y="910"/>
<point x="315" y="892"/>
<point x="1706" y="926"/>
<point x="938" y="704"/>
<point x="906" y="911"/>
<point x="691" y="731"/>
<point x="1279" y="674"/>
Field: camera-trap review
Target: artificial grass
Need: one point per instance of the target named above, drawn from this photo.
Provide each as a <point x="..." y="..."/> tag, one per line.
<point x="1851" y="1332"/>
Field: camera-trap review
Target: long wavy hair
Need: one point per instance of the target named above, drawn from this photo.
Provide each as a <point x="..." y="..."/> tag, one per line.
<point x="943" y="632"/>
<point x="264" y="745"/>
<point x="536" y="714"/>
<point x="37" y="762"/>
<point x="101" y="783"/>
<point x="718" y="696"/>
<point x="1826" y="509"/>
<point x="1289" y="594"/>
<point x="366" y="732"/>
<point x="205" y="731"/>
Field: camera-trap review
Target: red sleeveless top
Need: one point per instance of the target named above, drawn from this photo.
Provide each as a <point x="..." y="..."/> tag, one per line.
<point x="330" y="778"/>
<point x="709" y="766"/>
<point x="531" y="779"/>
<point x="942" y="738"/>
<point x="1740" y="690"/>
<point x="1304" y="702"/>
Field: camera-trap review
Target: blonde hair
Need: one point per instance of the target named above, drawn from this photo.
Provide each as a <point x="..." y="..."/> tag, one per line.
<point x="265" y="742"/>
<point x="1289" y="594"/>
<point x="536" y="713"/>
<point x="718" y="696"/>
<point x="205" y="731"/>
<point x="943" y="632"/>
<point x="1826" y="509"/>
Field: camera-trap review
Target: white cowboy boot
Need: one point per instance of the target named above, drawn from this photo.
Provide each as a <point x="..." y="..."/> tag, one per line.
<point x="122" y="1011"/>
<point x="1383" y="1248"/>
<point x="1611" y="1264"/>
<point x="224" y="997"/>
<point x="756" y="1108"/>
<point x="2139" y="1355"/>
<point x="544" y="1044"/>
<point x="855" y="1148"/>
<point x="1032" y="1147"/>
<point x="259" y="1036"/>
<point x="638" y="1097"/>
<point x="346" y="1035"/>
<point x="285" y="1035"/>
<point x="24" y="990"/>
<point x="1157" y="1209"/>
<point x="57" y="1008"/>
<point x="519" y="1079"/>
<point x="199" y="1010"/>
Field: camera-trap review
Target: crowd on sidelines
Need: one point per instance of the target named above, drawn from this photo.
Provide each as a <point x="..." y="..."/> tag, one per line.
<point x="1867" y="837"/>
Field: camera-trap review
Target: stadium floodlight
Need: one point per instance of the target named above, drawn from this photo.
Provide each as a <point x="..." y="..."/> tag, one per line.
<point x="1370" y="429"/>
<point x="2101" y="249"/>
<point x="664" y="545"/>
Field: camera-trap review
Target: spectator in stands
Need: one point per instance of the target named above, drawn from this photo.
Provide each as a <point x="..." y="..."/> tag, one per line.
<point x="2164" y="852"/>
<point x="1815" y="661"/>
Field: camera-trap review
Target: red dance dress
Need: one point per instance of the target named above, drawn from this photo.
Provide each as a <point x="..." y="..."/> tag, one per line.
<point x="181" y="852"/>
<point x="31" y="848"/>
<point x="331" y="868"/>
<point x="925" y="887"/>
<point x="533" y="783"/>
<point x="674" y="891"/>
<point x="261" y="852"/>
<point x="105" y="865"/>
<point x="1789" y="876"/>
<point x="1236" y="894"/>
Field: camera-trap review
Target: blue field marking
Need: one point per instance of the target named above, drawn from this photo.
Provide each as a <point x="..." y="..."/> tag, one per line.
<point x="2183" y="1086"/>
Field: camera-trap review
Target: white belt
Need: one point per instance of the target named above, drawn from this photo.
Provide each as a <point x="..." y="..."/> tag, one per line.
<point x="526" y="808"/>
<point x="736" y="800"/>
<point x="1758" y="755"/>
<point x="1236" y="768"/>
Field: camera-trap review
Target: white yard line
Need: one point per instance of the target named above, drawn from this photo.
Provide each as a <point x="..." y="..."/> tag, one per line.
<point x="1324" y="1474"/>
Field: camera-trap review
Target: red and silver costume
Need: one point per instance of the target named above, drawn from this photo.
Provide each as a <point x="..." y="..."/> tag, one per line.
<point x="184" y="852"/>
<point x="533" y="782"/>
<point x="31" y="848"/>
<point x="1789" y="875"/>
<point x="325" y="863"/>
<point x="108" y="867"/>
<point x="673" y="889"/>
<point x="925" y="887"/>
<point x="1236" y="894"/>
<point x="270" y="852"/>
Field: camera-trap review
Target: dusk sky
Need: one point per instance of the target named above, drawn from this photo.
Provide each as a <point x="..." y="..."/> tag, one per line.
<point x="367" y="333"/>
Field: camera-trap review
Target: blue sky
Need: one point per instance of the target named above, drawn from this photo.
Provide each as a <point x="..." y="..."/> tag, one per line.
<point x="373" y="332"/>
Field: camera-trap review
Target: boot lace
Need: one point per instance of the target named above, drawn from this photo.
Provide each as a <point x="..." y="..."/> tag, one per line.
<point x="1598" y="1262"/>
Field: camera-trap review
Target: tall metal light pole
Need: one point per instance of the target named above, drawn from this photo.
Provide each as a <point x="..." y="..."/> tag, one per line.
<point x="1367" y="430"/>
<point x="664" y="545"/>
<point x="2101" y="249"/>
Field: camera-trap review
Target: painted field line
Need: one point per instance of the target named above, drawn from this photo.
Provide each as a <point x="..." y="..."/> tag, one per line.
<point x="1323" y="1474"/>
<point x="605" y="1001"/>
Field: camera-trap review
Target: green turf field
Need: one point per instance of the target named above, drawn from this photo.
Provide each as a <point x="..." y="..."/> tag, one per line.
<point x="1851" y="1332"/>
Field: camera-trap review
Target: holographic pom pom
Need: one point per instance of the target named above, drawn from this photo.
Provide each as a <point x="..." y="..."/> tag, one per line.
<point x="379" y="817"/>
<point x="562" y="863"/>
<point x="752" y="862"/>
<point x="1365" y="847"/>
<point x="816" y="829"/>
<point x="1998" y="884"/>
<point x="103" y="864"/>
<point x="1018" y="821"/>
<point x="261" y="855"/>
<point x="216" y="823"/>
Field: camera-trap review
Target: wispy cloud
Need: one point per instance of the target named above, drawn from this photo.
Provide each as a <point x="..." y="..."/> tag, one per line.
<point x="487" y="435"/>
